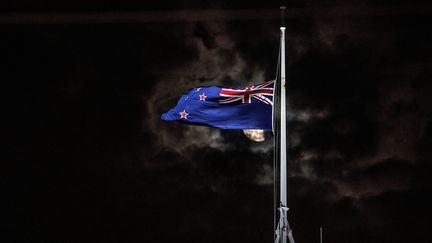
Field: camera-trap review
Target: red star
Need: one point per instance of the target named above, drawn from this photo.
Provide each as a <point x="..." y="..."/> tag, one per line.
<point x="183" y="114"/>
<point x="203" y="97"/>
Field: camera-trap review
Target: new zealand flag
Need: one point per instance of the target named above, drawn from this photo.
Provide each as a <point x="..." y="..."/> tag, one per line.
<point x="226" y="108"/>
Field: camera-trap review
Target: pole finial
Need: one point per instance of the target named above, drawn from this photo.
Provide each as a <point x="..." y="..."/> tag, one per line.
<point x="282" y="8"/>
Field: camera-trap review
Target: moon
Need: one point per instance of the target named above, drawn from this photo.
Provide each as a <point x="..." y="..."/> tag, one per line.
<point x="254" y="134"/>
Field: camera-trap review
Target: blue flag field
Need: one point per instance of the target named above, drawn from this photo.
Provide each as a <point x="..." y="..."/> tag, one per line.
<point x="226" y="108"/>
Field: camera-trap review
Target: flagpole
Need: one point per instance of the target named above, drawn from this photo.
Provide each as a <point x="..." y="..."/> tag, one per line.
<point x="283" y="181"/>
<point x="283" y="232"/>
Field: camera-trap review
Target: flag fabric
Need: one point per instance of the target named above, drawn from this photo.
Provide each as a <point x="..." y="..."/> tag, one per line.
<point x="226" y="108"/>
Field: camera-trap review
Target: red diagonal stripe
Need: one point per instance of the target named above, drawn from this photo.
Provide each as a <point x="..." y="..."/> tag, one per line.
<point x="246" y="92"/>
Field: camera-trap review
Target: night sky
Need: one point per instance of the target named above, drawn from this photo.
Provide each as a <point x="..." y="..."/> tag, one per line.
<point x="87" y="158"/>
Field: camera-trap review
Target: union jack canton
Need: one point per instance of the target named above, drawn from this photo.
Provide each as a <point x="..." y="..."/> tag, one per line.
<point x="258" y="92"/>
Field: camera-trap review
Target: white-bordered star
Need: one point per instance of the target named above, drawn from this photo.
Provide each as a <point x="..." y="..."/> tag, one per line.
<point x="203" y="97"/>
<point x="183" y="114"/>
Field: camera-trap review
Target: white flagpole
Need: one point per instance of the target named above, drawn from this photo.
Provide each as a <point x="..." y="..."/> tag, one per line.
<point x="283" y="181"/>
<point x="283" y="232"/>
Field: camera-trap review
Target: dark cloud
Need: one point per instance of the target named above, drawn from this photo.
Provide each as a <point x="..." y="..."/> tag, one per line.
<point x="93" y="161"/>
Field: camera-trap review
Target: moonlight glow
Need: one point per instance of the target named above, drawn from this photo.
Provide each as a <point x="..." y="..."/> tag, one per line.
<point x="255" y="135"/>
